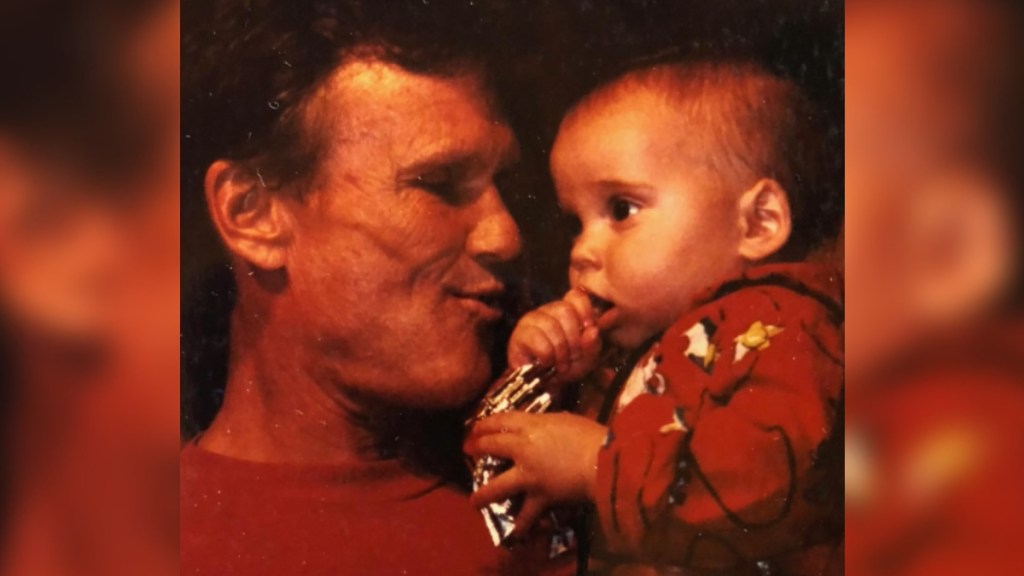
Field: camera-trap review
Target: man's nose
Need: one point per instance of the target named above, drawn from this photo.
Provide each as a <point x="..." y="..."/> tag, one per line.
<point x="493" y="236"/>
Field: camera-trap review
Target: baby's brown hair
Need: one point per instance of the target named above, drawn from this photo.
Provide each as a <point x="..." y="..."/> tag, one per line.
<point x="753" y="124"/>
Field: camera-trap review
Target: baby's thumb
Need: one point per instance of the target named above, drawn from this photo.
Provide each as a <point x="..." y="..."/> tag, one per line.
<point x="590" y="347"/>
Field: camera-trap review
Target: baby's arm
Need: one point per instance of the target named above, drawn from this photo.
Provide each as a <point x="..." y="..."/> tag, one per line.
<point x="734" y="476"/>
<point x="554" y="460"/>
<point x="553" y="455"/>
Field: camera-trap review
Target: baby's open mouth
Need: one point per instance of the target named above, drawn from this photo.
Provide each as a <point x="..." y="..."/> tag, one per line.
<point x="600" y="304"/>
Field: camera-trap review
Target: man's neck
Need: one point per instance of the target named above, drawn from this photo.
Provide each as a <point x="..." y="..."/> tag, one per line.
<point x="258" y="422"/>
<point x="286" y="403"/>
<point x="278" y="409"/>
<point x="278" y="406"/>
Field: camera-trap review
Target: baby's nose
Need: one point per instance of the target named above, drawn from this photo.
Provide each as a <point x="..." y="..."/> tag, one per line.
<point x="584" y="256"/>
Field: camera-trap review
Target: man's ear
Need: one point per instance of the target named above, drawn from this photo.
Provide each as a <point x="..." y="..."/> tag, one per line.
<point x="253" y="221"/>
<point x="765" y="220"/>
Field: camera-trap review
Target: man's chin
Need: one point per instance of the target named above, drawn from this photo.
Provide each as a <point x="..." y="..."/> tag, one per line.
<point x="452" y="389"/>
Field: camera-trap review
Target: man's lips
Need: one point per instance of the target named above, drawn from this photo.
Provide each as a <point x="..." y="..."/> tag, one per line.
<point x="483" y="301"/>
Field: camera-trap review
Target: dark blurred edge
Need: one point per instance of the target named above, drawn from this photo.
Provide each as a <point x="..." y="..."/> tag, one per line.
<point x="65" y="97"/>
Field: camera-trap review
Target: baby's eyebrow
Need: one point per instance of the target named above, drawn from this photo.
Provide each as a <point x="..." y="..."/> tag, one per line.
<point x="619" y="185"/>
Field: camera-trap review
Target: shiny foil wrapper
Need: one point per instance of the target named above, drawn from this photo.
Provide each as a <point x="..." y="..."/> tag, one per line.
<point x="521" y="389"/>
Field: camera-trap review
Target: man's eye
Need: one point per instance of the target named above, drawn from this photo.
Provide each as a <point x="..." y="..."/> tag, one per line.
<point x="622" y="209"/>
<point x="439" y="182"/>
<point x="434" y="178"/>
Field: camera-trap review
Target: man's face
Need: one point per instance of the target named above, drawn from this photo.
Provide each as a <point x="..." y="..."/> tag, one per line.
<point x="655" y="229"/>
<point x="391" y="270"/>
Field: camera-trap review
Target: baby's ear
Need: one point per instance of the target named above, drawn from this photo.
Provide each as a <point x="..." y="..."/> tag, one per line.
<point x="253" y="221"/>
<point x="765" y="220"/>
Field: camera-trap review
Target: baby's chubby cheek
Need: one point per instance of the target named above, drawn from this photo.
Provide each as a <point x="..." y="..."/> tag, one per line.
<point x="635" y="327"/>
<point x="668" y="298"/>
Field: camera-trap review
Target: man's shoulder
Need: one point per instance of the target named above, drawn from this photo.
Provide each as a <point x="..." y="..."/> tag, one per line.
<point x="199" y="468"/>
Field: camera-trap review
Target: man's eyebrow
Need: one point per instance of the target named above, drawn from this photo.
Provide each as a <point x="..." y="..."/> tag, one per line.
<point x="447" y="158"/>
<point x="463" y="159"/>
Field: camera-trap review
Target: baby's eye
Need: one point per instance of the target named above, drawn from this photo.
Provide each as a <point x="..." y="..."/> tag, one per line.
<point x="622" y="209"/>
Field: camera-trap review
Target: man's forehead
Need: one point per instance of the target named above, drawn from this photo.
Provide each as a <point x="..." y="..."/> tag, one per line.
<point x="371" y="88"/>
<point x="440" y="117"/>
<point x="490" y="147"/>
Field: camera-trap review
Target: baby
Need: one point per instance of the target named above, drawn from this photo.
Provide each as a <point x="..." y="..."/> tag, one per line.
<point x="697" y="189"/>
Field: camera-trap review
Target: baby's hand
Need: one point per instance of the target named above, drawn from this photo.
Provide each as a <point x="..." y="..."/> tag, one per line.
<point x="554" y="459"/>
<point x="561" y="334"/>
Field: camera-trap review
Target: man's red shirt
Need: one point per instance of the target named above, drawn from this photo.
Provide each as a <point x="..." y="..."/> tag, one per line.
<point x="250" y="519"/>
